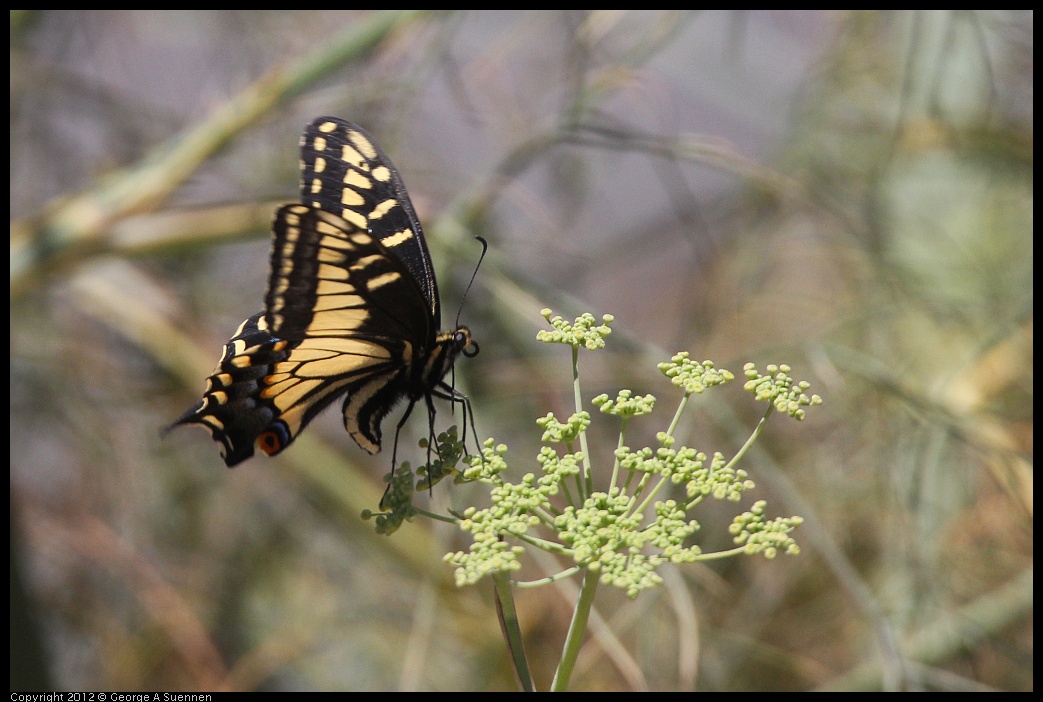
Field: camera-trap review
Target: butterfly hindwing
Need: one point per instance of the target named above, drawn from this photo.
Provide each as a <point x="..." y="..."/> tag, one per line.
<point x="232" y="408"/>
<point x="351" y="309"/>
<point x="356" y="318"/>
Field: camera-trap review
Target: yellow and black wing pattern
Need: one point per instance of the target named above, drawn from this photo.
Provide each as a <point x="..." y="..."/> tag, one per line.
<point x="352" y="310"/>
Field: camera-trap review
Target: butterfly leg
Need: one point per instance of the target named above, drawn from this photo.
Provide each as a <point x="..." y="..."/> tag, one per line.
<point x="394" y="450"/>
<point x="456" y="397"/>
<point x="432" y="440"/>
<point x="398" y="429"/>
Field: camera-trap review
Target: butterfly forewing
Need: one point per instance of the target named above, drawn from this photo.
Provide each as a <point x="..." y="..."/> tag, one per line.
<point x="345" y="173"/>
<point x="332" y="279"/>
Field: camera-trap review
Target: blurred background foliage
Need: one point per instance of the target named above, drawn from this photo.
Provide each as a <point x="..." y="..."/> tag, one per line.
<point x="849" y="193"/>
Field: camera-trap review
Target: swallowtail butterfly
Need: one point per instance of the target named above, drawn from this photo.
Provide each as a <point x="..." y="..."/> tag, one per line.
<point x="351" y="311"/>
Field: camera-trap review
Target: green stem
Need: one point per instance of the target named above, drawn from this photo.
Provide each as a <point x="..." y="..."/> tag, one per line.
<point x="720" y="554"/>
<point x="567" y="494"/>
<point x="512" y="630"/>
<point x="677" y="414"/>
<point x="544" y="545"/>
<point x="650" y="496"/>
<point x="577" y="629"/>
<point x="641" y="484"/>
<point x="588" y="478"/>
<point x="436" y="516"/>
<point x="693" y="502"/>
<point x="615" y="464"/>
<point x="567" y="573"/>
<point x="753" y="437"/>
<point x="545" y="517"/>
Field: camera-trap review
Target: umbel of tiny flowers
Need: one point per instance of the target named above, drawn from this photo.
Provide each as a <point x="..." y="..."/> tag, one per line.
<point x="780" y="390"/>
<point x="623" y="533"/>
<point x="585" y="331"/>
<point x="638" y="520"/>
<point x="397" y="503"/>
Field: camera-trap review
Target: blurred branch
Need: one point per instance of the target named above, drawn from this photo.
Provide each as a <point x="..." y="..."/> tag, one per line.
<point x="91" y="539"/>
<point x="961" y="406"/>
<point x="78" y="226"/>
<point x="709" y="151"/>
<point x="166" y="231"/>
<point x="951" y="635"/>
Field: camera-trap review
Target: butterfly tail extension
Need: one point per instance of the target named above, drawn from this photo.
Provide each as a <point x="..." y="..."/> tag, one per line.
<point x="230" y="409"/>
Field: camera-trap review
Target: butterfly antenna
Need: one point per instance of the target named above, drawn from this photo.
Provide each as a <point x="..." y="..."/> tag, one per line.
<point x="485" y="247"/>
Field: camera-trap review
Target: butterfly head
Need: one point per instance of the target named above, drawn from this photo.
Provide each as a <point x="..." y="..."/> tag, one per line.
<point x="448" y="345"/>
<point x="464" y="343"/>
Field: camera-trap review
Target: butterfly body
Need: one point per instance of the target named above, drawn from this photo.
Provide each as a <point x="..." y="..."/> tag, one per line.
<point x="352" y="310"/>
